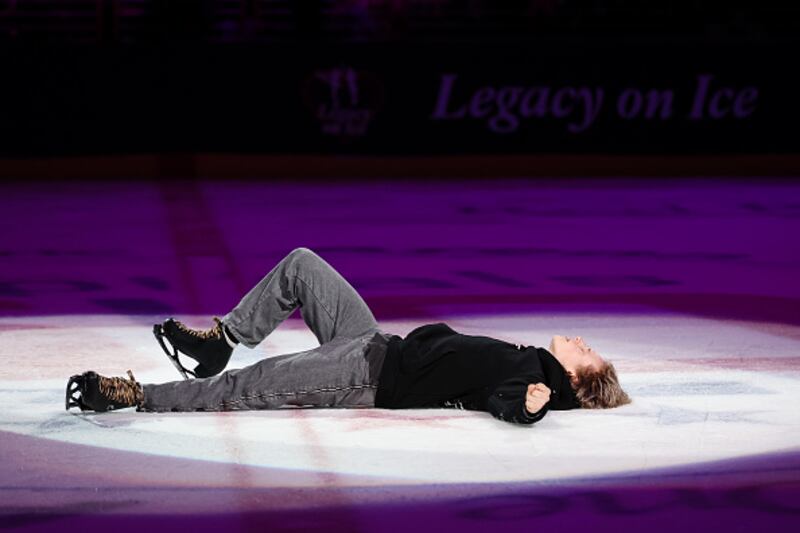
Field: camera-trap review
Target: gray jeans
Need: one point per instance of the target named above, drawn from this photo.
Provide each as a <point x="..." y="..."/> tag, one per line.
<point x="342" y="372"/>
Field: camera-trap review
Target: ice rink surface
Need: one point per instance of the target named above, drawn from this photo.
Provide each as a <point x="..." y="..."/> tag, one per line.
<point x="688" y="286"/>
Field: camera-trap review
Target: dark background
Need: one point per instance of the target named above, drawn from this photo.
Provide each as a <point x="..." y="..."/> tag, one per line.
<point x="95" y="78"/>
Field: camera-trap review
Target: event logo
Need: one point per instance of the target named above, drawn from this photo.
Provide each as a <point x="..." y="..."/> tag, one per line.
<point x="343" y="100"/>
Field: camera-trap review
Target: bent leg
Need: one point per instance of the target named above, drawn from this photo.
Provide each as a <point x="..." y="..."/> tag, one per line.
<point x="340" y="373"/>
<point x="329" y="305"/>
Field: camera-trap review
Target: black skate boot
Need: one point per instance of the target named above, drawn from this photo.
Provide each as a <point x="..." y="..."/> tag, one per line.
<point x="209" y="347"/>
<point x="93" y="392"/>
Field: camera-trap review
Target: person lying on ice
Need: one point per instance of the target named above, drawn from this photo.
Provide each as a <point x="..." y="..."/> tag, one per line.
<point x="356" y="365"/>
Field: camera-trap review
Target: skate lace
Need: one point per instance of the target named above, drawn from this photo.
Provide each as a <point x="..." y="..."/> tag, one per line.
<point x="121" y="390"/>
<point x="212" y="333"/>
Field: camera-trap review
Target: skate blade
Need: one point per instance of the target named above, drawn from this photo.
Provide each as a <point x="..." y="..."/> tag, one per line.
<point x="73" y="390"/>
<point x="172" y="354"/>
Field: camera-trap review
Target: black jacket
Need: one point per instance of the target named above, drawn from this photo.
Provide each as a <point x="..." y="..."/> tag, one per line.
<point x="435" y="366"/>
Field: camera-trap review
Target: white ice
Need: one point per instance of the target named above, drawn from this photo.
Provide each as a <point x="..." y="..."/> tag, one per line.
<point x="703" y="390"/>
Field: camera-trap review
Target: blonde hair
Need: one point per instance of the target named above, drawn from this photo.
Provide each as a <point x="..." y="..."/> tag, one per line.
<point x="599" y="389"/>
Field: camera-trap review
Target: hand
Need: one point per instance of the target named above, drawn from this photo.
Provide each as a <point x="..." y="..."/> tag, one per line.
<point x="538" y="395"/>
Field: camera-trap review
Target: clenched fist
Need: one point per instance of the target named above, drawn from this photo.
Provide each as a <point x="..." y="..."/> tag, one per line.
<point x="538" y="395"/>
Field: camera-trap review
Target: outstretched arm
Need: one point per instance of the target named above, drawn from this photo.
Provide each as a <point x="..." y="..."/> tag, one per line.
<point x="520" y="402"/>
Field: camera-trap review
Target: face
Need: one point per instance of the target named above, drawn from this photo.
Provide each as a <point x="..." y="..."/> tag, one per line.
<point x="574" y="353"/>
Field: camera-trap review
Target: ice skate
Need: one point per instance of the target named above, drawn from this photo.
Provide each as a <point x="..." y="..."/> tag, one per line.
<point x="209" y="348"/>
<point x="92" y="392"/>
